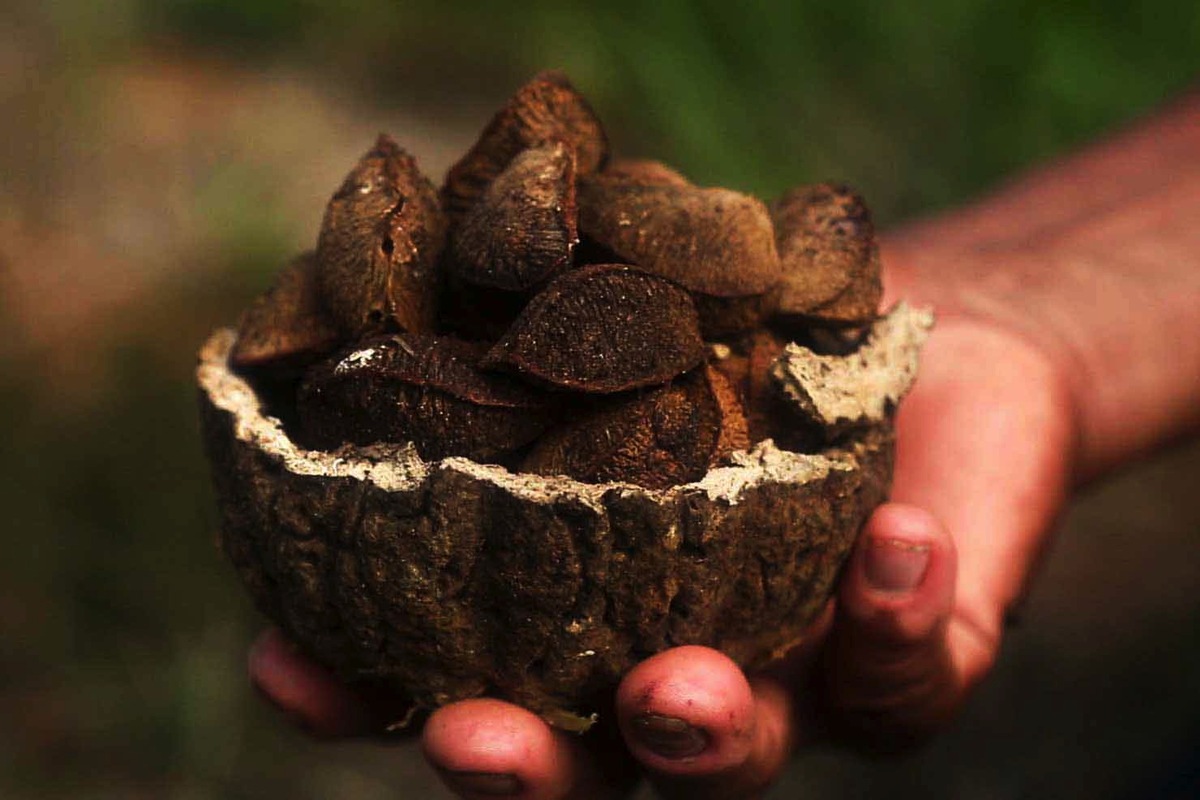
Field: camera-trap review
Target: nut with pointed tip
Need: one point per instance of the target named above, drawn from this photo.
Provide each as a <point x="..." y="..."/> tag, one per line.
<point x="287" y="327"/>
<point x="379" y="246"/>
<point x="522" y="231"/>
<point x="717" y="243"/>
<point x="548" y="108"/>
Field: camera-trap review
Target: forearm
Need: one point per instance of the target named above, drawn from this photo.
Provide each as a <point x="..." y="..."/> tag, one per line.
<point x="1072" y="189"/>
<point x="1096" y="260"/>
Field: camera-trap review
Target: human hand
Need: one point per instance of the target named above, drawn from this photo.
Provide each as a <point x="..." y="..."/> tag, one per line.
<point x="1037" y="376"/>
<point x="983" y="462"/>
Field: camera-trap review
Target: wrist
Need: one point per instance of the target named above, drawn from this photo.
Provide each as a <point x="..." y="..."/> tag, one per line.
<point x="1000" y="296"/>
<point x="1111" y="324"/>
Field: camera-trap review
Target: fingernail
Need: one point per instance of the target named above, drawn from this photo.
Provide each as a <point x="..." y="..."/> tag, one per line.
<point x="488" y="784"/>
<point x="896" y="566"/>
<point x="669" y="737"/>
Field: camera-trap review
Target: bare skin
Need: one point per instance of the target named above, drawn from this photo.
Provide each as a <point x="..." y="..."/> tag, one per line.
<point x="1068" y="344"/>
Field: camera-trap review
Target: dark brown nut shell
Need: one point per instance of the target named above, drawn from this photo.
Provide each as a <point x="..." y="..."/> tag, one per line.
<point x="735" y="429"/>
<point x="603" y="328"/>
<point x="522" y="231"/>
<point x="478" y="313"/>
<point x="717" y="243"/>
<point x="725" y="317"/>
<point x="656" y="439"/>
<point x="712" y="241"/>
<point x="421" y="389"/>
<point x="380" y="244"/>
<point x="746" y="364"/>
<point x="826" y="241"/>
<point x="548" y="108"/>
<point x="287" y="327"/>
<point x="453" y="579"/>
<point x="643" y="171"/>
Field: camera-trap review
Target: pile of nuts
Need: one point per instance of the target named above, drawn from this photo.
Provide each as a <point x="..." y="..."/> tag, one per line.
<point x="557" y="311"/>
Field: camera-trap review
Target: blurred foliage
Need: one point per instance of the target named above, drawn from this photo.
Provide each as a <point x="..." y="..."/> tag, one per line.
<point x="918" y="105"/>
<point x="122" y="674"/>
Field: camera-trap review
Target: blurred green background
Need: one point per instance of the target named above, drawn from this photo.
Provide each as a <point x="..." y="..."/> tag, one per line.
<point x="159" y="160"/>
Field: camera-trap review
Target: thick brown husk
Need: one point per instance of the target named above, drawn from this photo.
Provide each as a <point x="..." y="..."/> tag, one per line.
<point x="452" y="579"/>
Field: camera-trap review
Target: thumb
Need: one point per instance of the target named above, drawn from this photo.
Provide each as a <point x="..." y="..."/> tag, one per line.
<point x="889" y="678"/>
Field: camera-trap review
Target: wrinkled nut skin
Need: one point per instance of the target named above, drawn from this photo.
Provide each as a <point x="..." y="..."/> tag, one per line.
<point x="454" y="580"/>
<point x="287" y="326"/>
<point x="712" y="241"/>
<point x="602" y="328"/>
<point x="717" y="243"/>
<point x="522" y="231"/>
<point x="547" y="108"/>
<point x="419" y="388"/>
<point x="656" y="439"/>
<point x="826" y="242"/>
<point x="380" y="243"/>
<point x="735" y="427"/>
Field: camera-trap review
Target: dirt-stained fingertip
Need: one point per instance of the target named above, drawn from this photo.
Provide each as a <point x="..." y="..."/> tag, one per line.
<point x="887" y="681"/>
<point x="310" y="696"/>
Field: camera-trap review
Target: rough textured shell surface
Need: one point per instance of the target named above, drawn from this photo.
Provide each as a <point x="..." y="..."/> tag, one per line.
<point x="453" y="579"/>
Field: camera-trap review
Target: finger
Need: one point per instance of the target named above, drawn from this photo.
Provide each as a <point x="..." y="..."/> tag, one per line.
<point x="700" y="728"/>
<point x="489" y="748"/>
<point x="889" y="679"/>
<point x="965" y="452"/>
<point x="314" y="698"/>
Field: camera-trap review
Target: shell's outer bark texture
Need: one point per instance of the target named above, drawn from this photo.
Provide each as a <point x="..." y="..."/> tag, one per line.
<point x="454" y="579"/>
